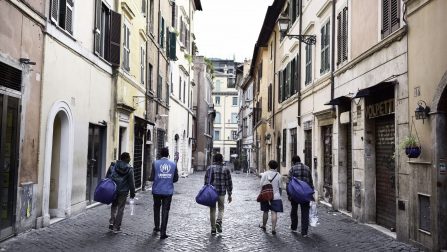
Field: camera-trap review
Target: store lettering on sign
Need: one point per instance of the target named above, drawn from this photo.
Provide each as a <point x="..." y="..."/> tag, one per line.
<point x="380" y="109"/>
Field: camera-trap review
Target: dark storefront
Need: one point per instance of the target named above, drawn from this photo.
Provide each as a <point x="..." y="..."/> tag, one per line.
<point x="10" y="82"/>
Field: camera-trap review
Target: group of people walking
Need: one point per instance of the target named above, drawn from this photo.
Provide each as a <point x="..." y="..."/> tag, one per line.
<point x="164" y="174"/>
<point x="299" y="171"/>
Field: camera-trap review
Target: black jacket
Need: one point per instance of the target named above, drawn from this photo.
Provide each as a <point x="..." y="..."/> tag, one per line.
<point x="122" y="173"/>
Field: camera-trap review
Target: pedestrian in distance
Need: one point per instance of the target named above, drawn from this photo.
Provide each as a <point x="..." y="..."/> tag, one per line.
<point x="222" y="182"/>
<point x="164" y="174"/>
<point x="122" y="174"/>
<point x="275" y="206"/>
<point x="303" y="173"/>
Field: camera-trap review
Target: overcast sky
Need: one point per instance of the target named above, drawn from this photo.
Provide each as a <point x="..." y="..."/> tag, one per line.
<point x="229" y="27"/>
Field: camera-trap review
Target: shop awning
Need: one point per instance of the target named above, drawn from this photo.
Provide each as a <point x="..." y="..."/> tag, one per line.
<point x="339" y="101"/>
<point x="374" y="89"/>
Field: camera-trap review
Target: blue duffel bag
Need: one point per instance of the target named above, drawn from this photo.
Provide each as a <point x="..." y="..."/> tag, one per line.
<point x="105" y="191"/>
<point x="208" y="196"/>
<point x="299" y="191"/>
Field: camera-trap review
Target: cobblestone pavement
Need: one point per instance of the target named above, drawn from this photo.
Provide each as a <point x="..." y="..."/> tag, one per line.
<point x="189" y="228"/>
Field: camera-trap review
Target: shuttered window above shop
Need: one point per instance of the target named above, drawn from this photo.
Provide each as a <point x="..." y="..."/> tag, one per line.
<point x="342" y="36"/>
<point x="62" y="14"/>
<point x="390" y="16"/>
<point x="107" y="33"/>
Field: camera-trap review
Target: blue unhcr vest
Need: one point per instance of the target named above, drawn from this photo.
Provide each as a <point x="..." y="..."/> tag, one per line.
<point x="164" y="177"/>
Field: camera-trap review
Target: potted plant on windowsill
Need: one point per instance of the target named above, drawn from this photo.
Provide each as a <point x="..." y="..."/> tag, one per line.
<point x="411" y="146"/>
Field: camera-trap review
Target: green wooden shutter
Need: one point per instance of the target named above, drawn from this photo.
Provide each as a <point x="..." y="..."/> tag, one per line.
<point x="97" y="32"/>
<point x="115" y="37"/>
<point x="172" y="46"/>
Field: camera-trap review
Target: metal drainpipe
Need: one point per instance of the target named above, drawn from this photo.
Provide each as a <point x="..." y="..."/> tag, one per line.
<point x="274" y="82"/>
<point x="299" y="66"/>
<point x="332" y="51"/>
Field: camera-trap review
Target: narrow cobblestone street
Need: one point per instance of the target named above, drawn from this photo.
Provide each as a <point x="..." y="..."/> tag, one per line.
<point x="189" y="228"/>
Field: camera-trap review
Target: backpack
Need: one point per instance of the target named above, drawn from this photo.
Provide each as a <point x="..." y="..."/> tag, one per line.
<point x="300" y="191"/>
<point x="266" y="193"/>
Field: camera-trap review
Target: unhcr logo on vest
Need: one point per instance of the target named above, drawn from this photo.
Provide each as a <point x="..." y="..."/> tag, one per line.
<point x="165" y="168"/>
<point x="164" y="171"/>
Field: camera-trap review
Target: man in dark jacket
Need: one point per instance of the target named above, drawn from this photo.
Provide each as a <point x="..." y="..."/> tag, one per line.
<point x="122" y="173"/>
<point x="303" y="173"/>
<point x="222" y="182"/>
<point x="164" y="174"/>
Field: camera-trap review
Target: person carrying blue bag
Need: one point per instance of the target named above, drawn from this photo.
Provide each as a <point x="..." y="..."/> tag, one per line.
<point x="222" y="182"/>
<point x="164" y="174"/>
<point x="122" y="174"/>
<point x="301" y="172"/>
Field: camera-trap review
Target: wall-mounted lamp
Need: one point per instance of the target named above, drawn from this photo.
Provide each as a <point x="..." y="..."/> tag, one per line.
<point x="283" y="24"/>
<point x="422" y="111"/>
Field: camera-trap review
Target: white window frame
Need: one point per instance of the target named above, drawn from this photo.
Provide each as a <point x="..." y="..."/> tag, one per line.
<point x="126" y="46"/>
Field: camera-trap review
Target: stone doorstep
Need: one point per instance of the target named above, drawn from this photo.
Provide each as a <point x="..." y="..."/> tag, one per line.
<point x="382" y="230"/>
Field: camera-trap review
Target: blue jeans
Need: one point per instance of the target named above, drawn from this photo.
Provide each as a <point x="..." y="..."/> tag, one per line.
<point x="304" y="216"/>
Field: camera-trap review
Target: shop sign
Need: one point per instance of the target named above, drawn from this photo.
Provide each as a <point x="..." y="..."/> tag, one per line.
<point x="382" y="108"/>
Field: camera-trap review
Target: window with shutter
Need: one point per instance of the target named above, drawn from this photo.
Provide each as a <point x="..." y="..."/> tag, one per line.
<point x="143" y="7"/>
<point x="62" y="14"/>
<point x="390" y="16"/>
<point x="97" y="32"/>
<point x="345" y="34"/>
<point x="184" y="91"/>
<point x="292" y="77"/>
<point x="180" y="88"/>
<point x="339" y="39"/>
<point x="325" y="56"/>
<point x="172" y="46"/>
<point x="159" y="87"/>
<point x="280" y="82"/>
<point x="151" y="16"/>
<point x="126" y="47"/>
<point x="69" y="17"/>
<point x="385" y="18"/>
<point x="289" y="81"/>
<point x="149" y="80"/>
<point x="279" y="86"/>
<point x="342" y="36"/>
<point x="115" y="37"/>
<point x="162" y="32"/>
<point x="142" y="63"/>
<point x="308" y="64"/>
<point x="167" y="95"/>
<point x="284" y="80"/>
<point x="55" y="11"/>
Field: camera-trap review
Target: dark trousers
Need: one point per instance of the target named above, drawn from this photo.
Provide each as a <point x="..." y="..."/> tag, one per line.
<point x="165" y="203"/>
<point x="116" y="215"/>
<point x="304" y="216"/>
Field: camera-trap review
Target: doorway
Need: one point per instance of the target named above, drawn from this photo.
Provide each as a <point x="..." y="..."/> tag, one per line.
<point x="327" y="162"/>
<point x="349" y="167"/>
<point x="9" y="136"/>
<point x="95" y="159"/>
<point x="385" y="172"/>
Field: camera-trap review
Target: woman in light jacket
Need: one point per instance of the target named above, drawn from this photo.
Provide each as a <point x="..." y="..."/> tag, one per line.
<point x="274" y="177"/>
